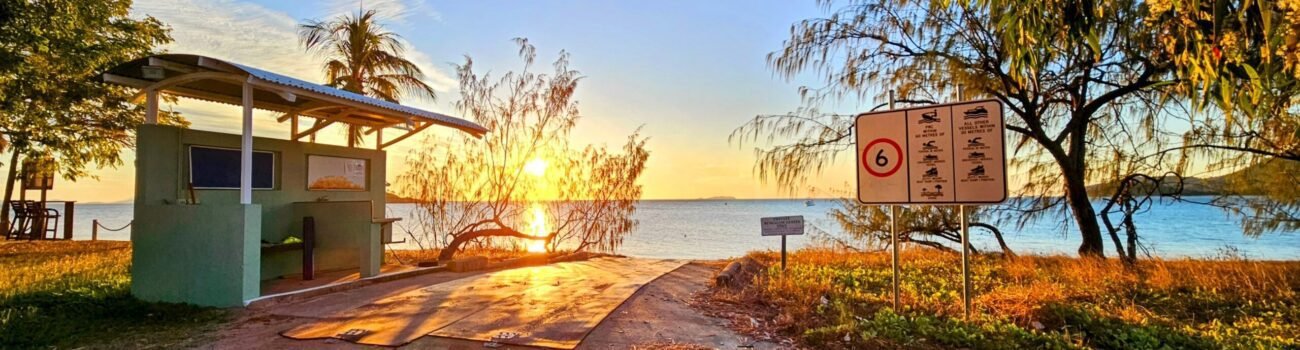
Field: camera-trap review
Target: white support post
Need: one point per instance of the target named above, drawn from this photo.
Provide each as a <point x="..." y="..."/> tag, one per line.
<point x="246" y="149"/>
<point x="151" y="107"/>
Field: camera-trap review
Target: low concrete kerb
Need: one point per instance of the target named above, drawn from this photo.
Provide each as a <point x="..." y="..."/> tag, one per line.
<point x="299" y="295"/>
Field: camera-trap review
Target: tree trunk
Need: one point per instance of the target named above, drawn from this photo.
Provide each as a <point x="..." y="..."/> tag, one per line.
<point x="1110" y="227"/>
<point x="1132" y="233"/>
<point x="1006" y="250"/>
<point x="452" y="247"/>
<point x="1075" y="169"/>
<point x="1084" y="215"/>
<point x="9" y="188"/>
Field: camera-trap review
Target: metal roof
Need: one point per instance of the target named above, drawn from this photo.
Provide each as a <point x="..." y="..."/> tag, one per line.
<point x="320" y="100"/>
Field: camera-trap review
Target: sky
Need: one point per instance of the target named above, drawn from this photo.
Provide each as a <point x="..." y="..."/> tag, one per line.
<point x="686" y="72"/>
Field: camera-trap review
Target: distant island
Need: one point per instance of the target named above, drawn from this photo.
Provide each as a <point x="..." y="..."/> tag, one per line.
<point x="718" y="198"/>
<point x="392" y="198"/>
<point x="1214" y="186"/>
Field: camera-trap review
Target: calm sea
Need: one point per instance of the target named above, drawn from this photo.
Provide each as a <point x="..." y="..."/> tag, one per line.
<point x="710" y="229"/>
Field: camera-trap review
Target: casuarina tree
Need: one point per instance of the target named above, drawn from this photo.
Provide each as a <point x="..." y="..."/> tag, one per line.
<point x="523" y="183"/>
<point x="1075" y="76"/>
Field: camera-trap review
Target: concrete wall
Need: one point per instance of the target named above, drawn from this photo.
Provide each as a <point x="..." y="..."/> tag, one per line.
<point x="162" y="176"/>
<point x="215" y="264"/>
<point x="340" y="230"/>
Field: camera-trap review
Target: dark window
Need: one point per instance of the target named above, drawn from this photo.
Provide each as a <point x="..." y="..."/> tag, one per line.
<point x="212" y="167"/>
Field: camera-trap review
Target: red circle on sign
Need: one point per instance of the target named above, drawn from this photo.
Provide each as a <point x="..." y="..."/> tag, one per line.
<point x="898" y="151"/>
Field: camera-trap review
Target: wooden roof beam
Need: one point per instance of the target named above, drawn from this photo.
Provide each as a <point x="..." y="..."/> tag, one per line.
<point x="409" y="133"/>
<point x="172" y="66"/>
<point x="319" y="124"/>
<point x="192" y="93"/>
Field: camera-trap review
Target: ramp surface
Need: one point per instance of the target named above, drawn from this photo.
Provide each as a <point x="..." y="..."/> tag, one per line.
<point x="550" y="306"/>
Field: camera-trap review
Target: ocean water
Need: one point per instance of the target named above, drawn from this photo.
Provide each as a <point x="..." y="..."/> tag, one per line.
<point x="711" y="229"/>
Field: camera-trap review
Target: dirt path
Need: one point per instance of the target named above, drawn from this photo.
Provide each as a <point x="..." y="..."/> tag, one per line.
<point x="656" y="315"/>
<point x="659" y="314"/>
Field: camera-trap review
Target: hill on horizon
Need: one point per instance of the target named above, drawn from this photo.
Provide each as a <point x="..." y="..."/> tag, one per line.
<point x="1219" y="185"/>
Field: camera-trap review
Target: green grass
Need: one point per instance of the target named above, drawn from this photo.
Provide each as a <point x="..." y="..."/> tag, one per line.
<point x="841" y="300"/>
<point x="77" y="295"/>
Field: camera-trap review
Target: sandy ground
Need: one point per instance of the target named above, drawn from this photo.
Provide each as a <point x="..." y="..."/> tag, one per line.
<point x="659" y="314"/>
<point x="656" y="315"/>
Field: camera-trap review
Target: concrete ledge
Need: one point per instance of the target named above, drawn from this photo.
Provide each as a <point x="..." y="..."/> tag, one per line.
<point x="470" y="263"/>
<point x="304" y="294"/>
<point x="482" y="265"/>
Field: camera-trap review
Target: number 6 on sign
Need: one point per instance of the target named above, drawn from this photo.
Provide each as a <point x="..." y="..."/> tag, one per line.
<point x="887" y="157"/>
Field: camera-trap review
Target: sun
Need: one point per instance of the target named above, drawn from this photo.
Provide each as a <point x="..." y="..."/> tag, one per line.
<point x="535" y="167"/>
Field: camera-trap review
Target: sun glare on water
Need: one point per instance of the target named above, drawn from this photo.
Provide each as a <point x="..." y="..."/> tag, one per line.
<point x="537" y="225"/>
<point x="537" y="228"/>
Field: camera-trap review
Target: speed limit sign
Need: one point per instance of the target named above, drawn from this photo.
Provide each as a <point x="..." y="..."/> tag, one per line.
<point x="939" y="154"/>
<point x="882" y="157"/>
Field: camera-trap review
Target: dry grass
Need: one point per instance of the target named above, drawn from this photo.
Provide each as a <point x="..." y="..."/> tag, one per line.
<point x="669" y="346"/>
<point x="52" y="266"/>
<point x="1033" y="301"/>
<point x="414" y="256"/>
<point x="77" y="294"/>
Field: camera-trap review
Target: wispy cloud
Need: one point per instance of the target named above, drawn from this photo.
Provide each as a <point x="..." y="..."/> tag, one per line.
<point x="257" y="36"/>
<point x="239" y="31"/>
<point x="254" y="35"/>
<point x="399" y="11"/>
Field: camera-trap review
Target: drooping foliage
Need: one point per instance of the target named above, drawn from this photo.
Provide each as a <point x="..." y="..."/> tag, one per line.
<point x="1238" y="62"/>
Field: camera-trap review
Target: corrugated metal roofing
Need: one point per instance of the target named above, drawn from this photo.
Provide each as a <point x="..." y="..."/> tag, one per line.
<point x="131" y="69"/>
<point x="352" y="96"/>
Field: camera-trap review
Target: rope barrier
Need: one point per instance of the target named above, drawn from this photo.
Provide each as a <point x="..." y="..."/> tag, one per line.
<point x="111" y="229"/>
<point x="94" y="230"/>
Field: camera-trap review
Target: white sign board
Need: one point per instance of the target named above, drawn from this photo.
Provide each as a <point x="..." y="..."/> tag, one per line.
<point x="783" y="225"/>
<point x="939" y="154"/>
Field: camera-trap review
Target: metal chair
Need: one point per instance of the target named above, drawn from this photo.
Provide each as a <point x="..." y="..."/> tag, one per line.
<point x="40" y="217"/>
<point x="20" y="222"/>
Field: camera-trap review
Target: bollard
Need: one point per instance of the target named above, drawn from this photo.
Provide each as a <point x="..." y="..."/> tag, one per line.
<point x="94" y="230"/>
<point x="69" y="208"/>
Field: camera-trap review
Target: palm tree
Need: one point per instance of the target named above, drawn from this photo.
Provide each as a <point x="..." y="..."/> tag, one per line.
<point x="362" y="57"/>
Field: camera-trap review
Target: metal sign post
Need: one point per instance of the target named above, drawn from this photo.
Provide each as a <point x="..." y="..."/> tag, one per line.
<point x="948" y="154"/>
<point x="782" y="226"/>
<point x="893" y="234"/>
<point x="965" y="263"/>
<point x="893" y="241"/>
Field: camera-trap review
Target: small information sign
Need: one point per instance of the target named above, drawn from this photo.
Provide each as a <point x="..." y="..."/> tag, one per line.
<point x="782" y="225"/>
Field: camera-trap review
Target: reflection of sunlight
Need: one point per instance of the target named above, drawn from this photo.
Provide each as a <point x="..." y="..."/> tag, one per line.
<point x="535" y="167"/>
<point x="537" y="228"/>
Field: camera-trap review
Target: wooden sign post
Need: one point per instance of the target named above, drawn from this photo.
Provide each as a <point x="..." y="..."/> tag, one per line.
<point x="782" y="226"/>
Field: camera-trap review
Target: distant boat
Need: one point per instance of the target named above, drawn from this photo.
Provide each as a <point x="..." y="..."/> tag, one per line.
<point x="809" y="203"/>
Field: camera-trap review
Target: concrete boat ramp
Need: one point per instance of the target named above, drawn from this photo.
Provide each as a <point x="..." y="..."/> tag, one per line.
<point x="551" y="306"/>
